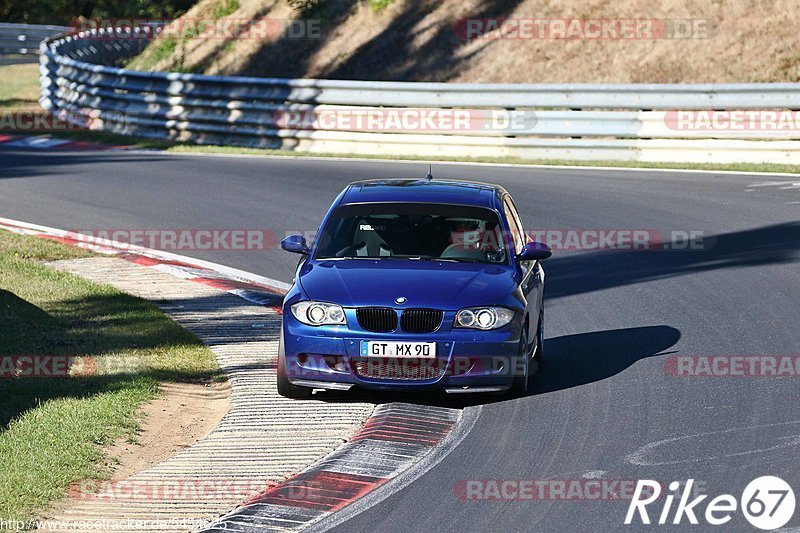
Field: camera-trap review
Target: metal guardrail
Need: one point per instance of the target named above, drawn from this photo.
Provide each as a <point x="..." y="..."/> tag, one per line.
<point x="573" y="121"/>
<point x="24" y="39"/>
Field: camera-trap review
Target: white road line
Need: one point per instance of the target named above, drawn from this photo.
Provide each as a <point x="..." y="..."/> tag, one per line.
<point x="425" y="162"/>
<point x="157" y="254"/>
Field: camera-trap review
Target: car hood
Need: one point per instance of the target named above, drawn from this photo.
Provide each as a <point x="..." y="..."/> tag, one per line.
<point x="431" y="284"/>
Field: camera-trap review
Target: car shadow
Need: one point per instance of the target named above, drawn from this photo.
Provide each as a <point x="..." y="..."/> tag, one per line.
<point x="570" y="361"/>
<point x="575" y="360"/>
<point x="757" y="247"/>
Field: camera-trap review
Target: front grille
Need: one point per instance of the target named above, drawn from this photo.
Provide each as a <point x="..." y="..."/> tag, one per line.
<point x="377" y="319"/>
<point x="421" y="320"/>
<point x="399" y="368"/>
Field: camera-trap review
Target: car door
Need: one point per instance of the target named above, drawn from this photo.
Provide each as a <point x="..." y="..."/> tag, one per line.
<point x="530" y="272"/>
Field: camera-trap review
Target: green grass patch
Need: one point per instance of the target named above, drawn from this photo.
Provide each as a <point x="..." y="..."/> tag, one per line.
<point x="19" y="89"/>
<point x="224" y="8"/>
<point x="379" y="5"/>
<point x="52" y="430"/>
<point x="171" y="50"/>
<point x="159" y="50"/>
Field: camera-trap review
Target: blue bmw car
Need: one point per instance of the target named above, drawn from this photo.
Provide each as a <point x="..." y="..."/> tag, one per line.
<point x="414" y="284"/>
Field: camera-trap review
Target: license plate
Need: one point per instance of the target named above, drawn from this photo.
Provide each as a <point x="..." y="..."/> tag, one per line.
<point x="398" y="349"/>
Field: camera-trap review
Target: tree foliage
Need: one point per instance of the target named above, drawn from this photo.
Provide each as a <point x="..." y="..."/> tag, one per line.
<point x="304" y="6"/>
<point x="65" y="11"/>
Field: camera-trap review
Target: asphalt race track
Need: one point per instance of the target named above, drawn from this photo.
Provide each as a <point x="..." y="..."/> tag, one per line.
<point x="603" y="404"/>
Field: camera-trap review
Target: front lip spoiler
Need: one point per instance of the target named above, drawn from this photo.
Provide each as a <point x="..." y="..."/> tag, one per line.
<point x="330" y="385"/>
<point x="327" y="385"/>
<point x="473" y="390"/>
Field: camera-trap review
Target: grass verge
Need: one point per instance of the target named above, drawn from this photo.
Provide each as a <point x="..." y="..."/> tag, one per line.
<point x="19" y="90"/>
<point x="52" y="430"/>
<point x="27" y="94"/>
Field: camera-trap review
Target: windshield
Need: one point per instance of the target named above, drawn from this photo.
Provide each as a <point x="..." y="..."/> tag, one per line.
<point x="414" y="232"/>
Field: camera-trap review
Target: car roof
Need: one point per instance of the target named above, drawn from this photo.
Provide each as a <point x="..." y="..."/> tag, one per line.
<point x="438" y="191"/>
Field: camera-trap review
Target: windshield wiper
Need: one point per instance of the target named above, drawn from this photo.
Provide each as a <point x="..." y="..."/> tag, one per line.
<point x="350" y="257"/>
<point x="446" y="259"/>
<point x="407" y="257"/>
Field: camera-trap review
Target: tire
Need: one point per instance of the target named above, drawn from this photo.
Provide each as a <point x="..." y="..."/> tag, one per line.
<point x="285" y="388"/>
<point x="519" y="387"/>
<point x="539" y="352"/>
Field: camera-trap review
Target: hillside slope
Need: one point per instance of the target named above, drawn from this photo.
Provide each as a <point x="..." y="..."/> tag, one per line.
<point x="424" y="40"/>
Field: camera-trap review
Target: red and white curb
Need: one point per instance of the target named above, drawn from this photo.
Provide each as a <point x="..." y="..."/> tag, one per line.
<point x="394" y="441"/>
<point x="251" y="287"/>
<point x="46" y="142"/>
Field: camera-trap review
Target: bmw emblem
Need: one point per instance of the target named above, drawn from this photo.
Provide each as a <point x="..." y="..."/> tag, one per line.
<point x="400" y="300"/>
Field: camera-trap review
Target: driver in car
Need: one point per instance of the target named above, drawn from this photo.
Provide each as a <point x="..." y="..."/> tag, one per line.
<point x="469" y="238"/>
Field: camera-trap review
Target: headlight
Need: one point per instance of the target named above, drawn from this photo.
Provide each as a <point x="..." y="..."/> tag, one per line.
<point x="484" y="318"/>
<point x="319" y="313"/>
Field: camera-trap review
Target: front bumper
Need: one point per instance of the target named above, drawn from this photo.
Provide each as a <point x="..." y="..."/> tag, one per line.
<point x="329" y="357"/>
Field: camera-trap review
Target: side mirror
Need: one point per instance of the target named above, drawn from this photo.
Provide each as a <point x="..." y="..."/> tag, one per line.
<point x="535" y="251"/>
<point x="295" y="244"/>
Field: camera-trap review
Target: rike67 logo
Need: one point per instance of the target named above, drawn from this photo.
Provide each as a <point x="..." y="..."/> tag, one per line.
<point x="767" y="503"/>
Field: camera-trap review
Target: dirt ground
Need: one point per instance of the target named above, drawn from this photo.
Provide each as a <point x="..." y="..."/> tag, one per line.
<point x="184" y="414"/>
<point x="680" y="41"/>
<point x="181" y="416"/>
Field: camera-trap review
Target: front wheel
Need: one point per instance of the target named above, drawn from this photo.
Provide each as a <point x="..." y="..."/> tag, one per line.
<point x="538" y="353"/>
<point x="519" y="387"/>
<point x="286" y="388"/>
